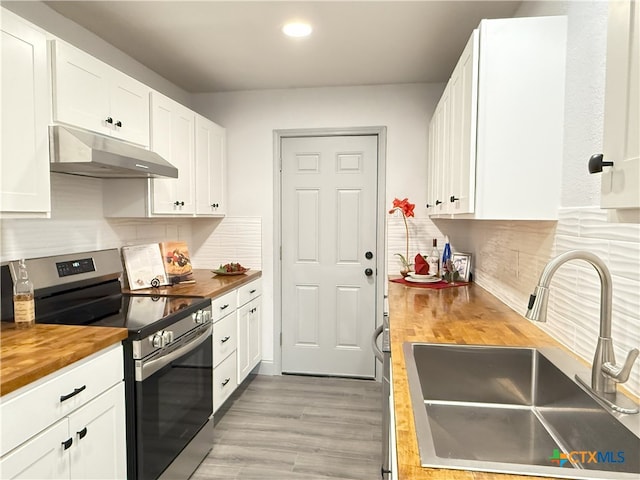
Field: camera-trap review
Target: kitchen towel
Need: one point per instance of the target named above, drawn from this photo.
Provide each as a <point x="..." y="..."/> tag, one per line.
<point x="437" y="285"/>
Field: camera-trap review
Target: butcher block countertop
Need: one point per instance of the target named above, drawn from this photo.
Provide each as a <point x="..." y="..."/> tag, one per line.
<point x="207" y="284"/>
<point x="26" y="355"/>
<point x="461" y="315"/>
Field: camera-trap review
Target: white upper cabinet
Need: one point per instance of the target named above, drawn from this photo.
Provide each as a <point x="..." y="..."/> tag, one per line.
<point x="24" y="165"/>
<point x="173" y="138"/>
<point x="210" y="167"/>
<point x="621" y="181"/>
<point x="90" y="94"/>
<point x="499" y="125"/>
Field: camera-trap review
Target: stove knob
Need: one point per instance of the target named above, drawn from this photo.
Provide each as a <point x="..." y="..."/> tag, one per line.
<point x="167" y="336"/>
<point x="206" y="315"/>
<point x="157" y="340"/>
<point x="200" y="316"/>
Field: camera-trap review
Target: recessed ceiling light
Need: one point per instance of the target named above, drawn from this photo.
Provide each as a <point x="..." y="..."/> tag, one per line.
<point x="297" y="29"/>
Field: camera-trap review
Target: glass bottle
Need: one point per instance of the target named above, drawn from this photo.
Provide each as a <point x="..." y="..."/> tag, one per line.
<point x="433" y="259"/>
<point x="23" y="304"/>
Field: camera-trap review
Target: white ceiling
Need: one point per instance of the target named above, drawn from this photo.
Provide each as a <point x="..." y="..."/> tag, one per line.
<point x="213" y="46"/>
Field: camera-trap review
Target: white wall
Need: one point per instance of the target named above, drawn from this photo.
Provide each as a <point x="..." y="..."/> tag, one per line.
<point x="252" y="117"/>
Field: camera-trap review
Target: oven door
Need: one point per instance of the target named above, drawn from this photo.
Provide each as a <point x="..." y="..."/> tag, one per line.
<point x="174" y="400"/>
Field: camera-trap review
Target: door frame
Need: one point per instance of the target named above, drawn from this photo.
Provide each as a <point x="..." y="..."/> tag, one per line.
<point x="278" y="135"/>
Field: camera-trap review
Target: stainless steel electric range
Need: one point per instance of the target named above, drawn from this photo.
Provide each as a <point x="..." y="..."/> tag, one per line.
<point x="168" y="355"/>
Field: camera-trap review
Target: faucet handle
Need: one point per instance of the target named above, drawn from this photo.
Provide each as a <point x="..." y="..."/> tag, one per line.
<point x="620" y="374"/>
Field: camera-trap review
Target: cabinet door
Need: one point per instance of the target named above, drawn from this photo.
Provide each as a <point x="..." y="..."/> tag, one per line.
<point x="210" y="167"/>
<point x="243" y="342"/>
<point x="461" y="177"/>
<point x="255" y="333"/>
<point x="172" y="137"/>
<point x="621" y="183"/>
<point x="99" y="442"/>
<point x="441" y="151"/>
<point x="42" y="457"/>
<point x="249" y="349"/>
<point x="24" y="164"/>
<point x="129" y="106"/>
<point x="80" y="89"/>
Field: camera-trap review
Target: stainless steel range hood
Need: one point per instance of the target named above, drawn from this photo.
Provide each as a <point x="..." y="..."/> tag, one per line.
<point x="80" y="152"/>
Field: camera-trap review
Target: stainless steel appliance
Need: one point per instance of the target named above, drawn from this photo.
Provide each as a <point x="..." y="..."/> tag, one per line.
<point x="168" y="355"/>
<point x="383" y="354"/>
<point x="81" y="152"/>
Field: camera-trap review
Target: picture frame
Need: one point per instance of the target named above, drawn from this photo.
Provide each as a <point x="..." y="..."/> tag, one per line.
<point x="462" y="263"/>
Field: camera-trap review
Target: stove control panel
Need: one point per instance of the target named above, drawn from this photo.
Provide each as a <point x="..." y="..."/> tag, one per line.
<point x="75" y="267"/>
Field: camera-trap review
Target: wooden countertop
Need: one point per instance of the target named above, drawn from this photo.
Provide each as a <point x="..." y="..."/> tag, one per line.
<point x="26" y="355"/>
<point x="207" y="284"/>
<point x="461" y="315"/>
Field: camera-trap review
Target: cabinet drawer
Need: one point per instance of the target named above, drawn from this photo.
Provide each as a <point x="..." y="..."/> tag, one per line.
<point x="224" y="338"/>
<point x="223" y="306"/>
<point x="224" y="381"/>
<point x="32" y="408"/>
<point x="248" y="292"/>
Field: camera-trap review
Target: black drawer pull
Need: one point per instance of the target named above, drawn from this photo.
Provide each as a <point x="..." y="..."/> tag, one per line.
<point x="75" y="392"/>
<point x="67" y="443"/>
<point x="252" y="291"/>
<point x="224" y="306"/>
<point x="227" y="380"/>
<point x="82" y="432"/>
<point x="225" y="339"/>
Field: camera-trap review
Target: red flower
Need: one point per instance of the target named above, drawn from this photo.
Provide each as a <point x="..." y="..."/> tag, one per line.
<point x="404" y="205"/>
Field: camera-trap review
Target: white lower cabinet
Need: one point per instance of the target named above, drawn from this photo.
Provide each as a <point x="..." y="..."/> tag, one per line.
<point x="237" y="338"/>
<point x="249" y="338"/>
<point x="224" y="380"/>
<point x="87" y="440"/>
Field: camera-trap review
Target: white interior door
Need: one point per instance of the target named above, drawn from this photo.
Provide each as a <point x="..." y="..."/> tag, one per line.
<point x="328" y="226"/>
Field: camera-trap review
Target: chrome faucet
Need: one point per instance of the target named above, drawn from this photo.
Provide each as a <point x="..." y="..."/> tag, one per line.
<point x="605" y="374"/>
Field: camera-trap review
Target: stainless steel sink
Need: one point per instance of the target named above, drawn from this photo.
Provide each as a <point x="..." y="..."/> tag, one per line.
<point x="515" y="410"/>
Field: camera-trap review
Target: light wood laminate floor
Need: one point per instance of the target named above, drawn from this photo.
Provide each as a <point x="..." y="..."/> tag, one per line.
<point x="297" y="427"/>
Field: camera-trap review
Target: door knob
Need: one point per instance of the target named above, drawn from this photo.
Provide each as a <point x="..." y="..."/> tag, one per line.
<point x="368" y="272"/>
<point x="368" y="255"/>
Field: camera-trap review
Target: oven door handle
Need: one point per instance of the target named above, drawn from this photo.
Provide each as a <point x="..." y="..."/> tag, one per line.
<point x="145" y="370"/>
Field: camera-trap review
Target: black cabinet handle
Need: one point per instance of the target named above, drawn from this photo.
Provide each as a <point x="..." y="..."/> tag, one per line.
<point x="67" y="443"/>
<point x="428" y="205"/>
<point x="118" y="123"/>
<point x="215" y="205"/>
<point x="179" y="204"/>
<point x="453" y="198"/>
<point x="252" y="291"/>
<point x="75" y="392"/>
<point x="227" y="380"/>
<point x="596" y="163"/>
<point x="438" y="202"/>
<point x="224" y="306"/>
<point x="253" y="310"/>
<point x="225" y="339"/>
<point x="82" y="432"/>
<point x="109" y="120"/>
